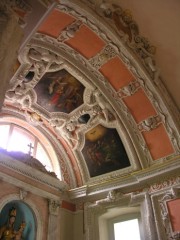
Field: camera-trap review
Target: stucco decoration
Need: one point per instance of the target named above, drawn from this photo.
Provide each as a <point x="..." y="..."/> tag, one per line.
<point x="95" y="211"/>
<point x="170" y="195"/>
<point x="71" y="127"/>
<point x="46" y="54"/>
<point x="160" y="200"/>
<point x="69" y="31"/>
<point x="53" y="219"/>
<point x="121" y="48"/>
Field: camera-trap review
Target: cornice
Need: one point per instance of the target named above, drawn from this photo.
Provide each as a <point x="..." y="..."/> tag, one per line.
<point x="136" y="181"/>
<point x="34" y="174"/>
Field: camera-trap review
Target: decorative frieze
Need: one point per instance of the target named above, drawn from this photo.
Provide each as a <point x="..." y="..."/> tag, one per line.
<point x="158" y="186"/>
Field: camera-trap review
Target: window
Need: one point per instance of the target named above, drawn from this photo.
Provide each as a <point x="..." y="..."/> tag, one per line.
<point x="127" y="230"/>
<point x="125" y="227"/>
<point x="16" y="138"/>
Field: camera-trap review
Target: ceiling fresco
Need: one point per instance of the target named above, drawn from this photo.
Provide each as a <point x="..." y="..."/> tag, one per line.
<point x="103" y="151"/>
<point x="59" y="92"/>
<point x="93" y="85"/>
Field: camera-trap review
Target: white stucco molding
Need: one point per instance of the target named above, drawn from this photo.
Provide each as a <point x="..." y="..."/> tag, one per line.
<point x="28" y="171"/>
<point x="125" y="204"/>
<point x="161" y="212"/>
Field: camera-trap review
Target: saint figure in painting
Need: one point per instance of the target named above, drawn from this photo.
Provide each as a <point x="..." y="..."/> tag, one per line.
<point x="7" y="232"/>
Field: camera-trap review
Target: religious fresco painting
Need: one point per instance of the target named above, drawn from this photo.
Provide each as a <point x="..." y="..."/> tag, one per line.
<point x="104" y="151"/>
<point x="17" y="222"/>
<point x="59" y="92"/>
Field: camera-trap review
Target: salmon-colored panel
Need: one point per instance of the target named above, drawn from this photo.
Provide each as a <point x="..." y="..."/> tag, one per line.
<point x="174" y="213"/>
<point x="117" y="73"/>
<point x="86" y="42"/>
<point x="69" y="206"/>
<point x="158" y="142"/>
<point x="55" y="23"/>
<point x="139" y="105"/>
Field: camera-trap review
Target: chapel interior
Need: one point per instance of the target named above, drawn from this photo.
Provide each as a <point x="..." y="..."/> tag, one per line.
<point x="89" y="119"/>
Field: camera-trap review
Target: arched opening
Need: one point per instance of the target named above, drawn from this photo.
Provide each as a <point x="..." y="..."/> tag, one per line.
<point x="19" y="136"/>
<point x="17" y="218"/>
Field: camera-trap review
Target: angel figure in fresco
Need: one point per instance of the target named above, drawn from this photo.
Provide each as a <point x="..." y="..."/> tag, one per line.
<point x="7" y="232"/>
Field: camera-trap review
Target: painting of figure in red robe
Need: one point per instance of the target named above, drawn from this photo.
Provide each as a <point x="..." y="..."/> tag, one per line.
<point x="104" y="151"/>
<point x="59" y="92"/>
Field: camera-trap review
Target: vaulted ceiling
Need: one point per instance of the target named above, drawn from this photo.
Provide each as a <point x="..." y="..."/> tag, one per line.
<point x="92" y="76"/>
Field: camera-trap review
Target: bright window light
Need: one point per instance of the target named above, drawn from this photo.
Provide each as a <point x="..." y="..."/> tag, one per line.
<point x="17" y="139"/>
<point x="127" y="230"/>
<point x="43" y="157"/>
<point x="20" y="140"/>
<point x="4" y="130"/>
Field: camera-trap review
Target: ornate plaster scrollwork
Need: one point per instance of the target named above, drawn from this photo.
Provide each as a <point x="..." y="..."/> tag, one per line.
<point x="164" y="184"/>
<point x="128" y="31"/>
<point x="67" y="128"/>
<point x="69" y="31"/>
<point x="150" y="123"/>
<point x="94" y="109"/>
<point x="170" y="195"/>
<point x="33" y="118"/>
<point x="113" y="195"/>
<point x="17" y="96"/>
<point x="107" y="53"/>
<point x="43" y="60"/>
<point x="106" y="108"/>
<point x="129" y="90"/>
<point x="150" y="63"/>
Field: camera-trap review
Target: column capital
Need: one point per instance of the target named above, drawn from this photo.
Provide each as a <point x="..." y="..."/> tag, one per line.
<point x="54" y="206"/>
